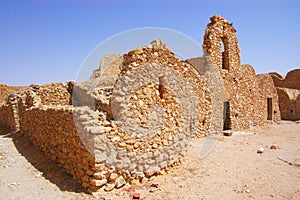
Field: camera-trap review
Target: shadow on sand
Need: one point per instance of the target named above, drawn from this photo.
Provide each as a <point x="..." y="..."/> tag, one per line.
<point x="49" y="169"/>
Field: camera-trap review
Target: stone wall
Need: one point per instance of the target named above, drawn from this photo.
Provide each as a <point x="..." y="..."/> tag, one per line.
<point x="289" y="103"/>
<point x="7" y="117"/>
<point x="267" y="111"/>
<point x="288" y="89"/>
<point x="52" y="130"/>
<point x="291" y="80"/>
<point x="219" y="32"/>
<point x="5" y="90"/>
<point x="171" y="75"/>
<point x="240" y="81"/>
<point x="212" y="76"/>
<point x="53" y="94"/>
<point x="171" y="105"/>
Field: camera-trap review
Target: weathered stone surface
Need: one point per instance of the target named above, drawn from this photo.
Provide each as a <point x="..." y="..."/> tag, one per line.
<point x="245" y="101"/>
<point x="288" y="89"/>
<point x="100" y="183"/>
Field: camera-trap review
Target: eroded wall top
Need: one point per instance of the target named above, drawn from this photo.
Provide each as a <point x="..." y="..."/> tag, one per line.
<point x="221" y="43"/>
<point x="291" y="80"/>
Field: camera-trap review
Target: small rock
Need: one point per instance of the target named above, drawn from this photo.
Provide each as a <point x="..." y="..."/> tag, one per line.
<point x="260" y="150"/>
<point x="247" y="191"/>
<point x="113" y="177"/>
<point x="120" y="181"/>
<point x="134" y="182"/>
<point x="153" y="170"/>
<point x="154" y="185"/>
<point x="100" y="183"/>
<point x="136" y="196"/>
<point x="274" y="146"/>
<point x="153" y="190"/>
<point x="109" y="187"/>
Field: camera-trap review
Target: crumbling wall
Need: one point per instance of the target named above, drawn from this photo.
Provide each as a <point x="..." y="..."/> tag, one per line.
<point x="52" y="130"/>
<point x="219" y="32"/>
<point x="240" y="82"/>
<point x="7" y="116"/>
<point x="5" y="90"/>
<point x="93" y="145"/>
<point x="289" y="103"/>
<point x="244" y="97"/>
<point x="109" y="66"/>
<point x="173" y="74"/>
<point x="213" y="78"/>
<point x="288" y="89"/>
<point x="291" y="80"/>
<point x="266" y="112"/>
<point x="96" y="98"/>
<point x="52" y="94"/>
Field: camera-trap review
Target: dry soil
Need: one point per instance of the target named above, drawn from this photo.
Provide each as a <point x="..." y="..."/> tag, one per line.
<point x="217" y="167"/>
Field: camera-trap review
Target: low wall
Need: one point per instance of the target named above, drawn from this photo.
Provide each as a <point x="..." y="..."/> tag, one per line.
<point x="266" y="90"/>
<point x="53" y="94"/>
<point x="93" y="149"/>
<point x="7" y="117"/>
<point x="52" y="130"/>
<point x="289" y="103"/>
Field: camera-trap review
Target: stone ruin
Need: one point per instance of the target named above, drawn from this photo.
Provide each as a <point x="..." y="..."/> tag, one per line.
<point x="137" y="114"/>
<point x="249" y="99"/>
<point x="288" y="90"/>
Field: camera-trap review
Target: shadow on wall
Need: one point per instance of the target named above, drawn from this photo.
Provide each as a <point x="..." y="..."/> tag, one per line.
<point x="51" y="170"/>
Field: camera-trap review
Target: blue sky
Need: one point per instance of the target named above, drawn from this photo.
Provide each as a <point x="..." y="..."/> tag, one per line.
<point x="48" y="41"/>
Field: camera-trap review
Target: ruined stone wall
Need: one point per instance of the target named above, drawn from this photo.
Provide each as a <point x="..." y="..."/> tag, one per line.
<point x="96" y="98"/>
<point x="213" y="78"/>
<point x="7" y="116"/>
<point x="171" y="75"/>
<point x="266" y="89"/>
<point x="240" y="82"/>
<point x="244" y="96"/>
<point x="6" y="90"/>
<point x="289" y="103"/>
<point x="52" y="94"/>
<point x="52" y="130"/>
<point x="288" y="89"/>
<point x="103" y="150"/>
<point x="291" y="80"/>
<point x="219" y="32"/>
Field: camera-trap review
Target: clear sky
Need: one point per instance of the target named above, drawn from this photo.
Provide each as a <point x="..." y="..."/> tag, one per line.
<point x="47" y="41"/>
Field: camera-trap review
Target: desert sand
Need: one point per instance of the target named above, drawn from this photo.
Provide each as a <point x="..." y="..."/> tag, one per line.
<point x="216" y="167"/>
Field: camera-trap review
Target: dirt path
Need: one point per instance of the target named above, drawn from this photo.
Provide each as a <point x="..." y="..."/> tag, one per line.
<point x="232" y="170"/>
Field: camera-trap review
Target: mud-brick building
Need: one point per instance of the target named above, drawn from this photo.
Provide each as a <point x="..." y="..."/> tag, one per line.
<point x="288" y="89"/>
<point x="248" y="99"/>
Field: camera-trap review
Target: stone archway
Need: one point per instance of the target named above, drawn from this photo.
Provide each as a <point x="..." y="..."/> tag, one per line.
<point x="220" y="32"/>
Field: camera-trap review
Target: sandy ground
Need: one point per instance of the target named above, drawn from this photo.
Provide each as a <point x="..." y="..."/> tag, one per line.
<point x="217" y="167"/>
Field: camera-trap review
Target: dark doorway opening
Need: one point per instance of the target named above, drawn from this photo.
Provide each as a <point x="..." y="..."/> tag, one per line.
<point x="270" y="109"/>
<point x="226" y="116"/>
